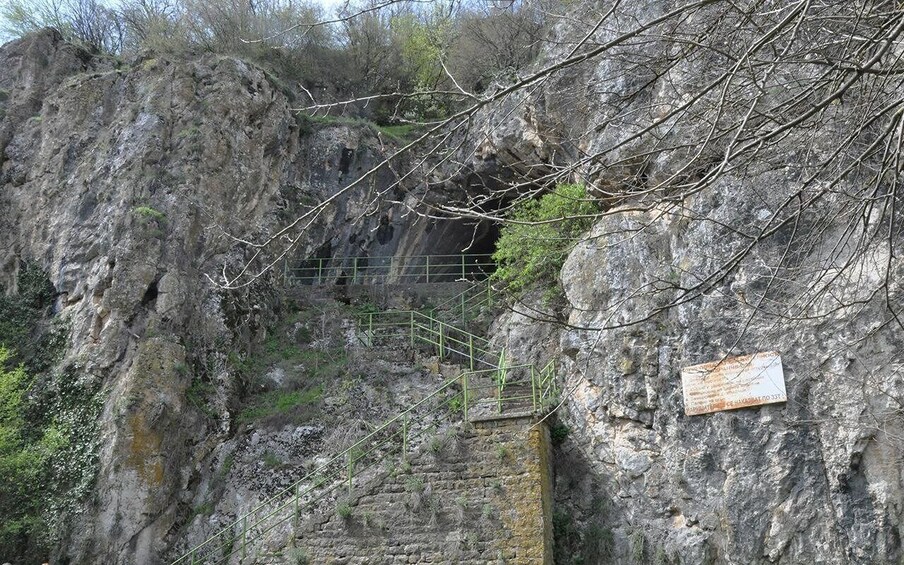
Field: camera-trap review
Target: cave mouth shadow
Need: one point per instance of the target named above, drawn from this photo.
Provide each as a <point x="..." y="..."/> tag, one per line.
<point x="459" y="250"/>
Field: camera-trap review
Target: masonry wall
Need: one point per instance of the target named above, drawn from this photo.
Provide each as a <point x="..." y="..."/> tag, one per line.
<point x="481" y="495"/>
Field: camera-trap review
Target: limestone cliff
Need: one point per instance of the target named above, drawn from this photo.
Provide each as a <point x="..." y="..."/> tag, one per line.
<point x="127" y="185"/>
<point x="656" y="286"/>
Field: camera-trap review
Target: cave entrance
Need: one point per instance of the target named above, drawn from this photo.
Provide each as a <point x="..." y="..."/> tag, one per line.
<point x="479" y="249"/>
<point x="312" y="270"/>
<point x="448" y="251"/>
<point x="459" y="250"/>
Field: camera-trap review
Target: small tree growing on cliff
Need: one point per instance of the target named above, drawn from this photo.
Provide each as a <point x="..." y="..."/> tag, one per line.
<point x="533" y="245"/>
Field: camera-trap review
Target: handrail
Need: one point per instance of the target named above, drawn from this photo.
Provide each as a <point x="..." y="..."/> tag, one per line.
<point x="475" y="350"/>
<point x="424" y="328"/>
<point x="471" y="300"/>
<point x="390" y="268"/>
<point x="447" y="339"/>
<point x="467" y="294"/>
<point x="502" y="377"/>
<point x="341" y="468"/>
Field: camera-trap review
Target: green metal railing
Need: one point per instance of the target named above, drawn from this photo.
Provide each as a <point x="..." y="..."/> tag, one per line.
<point x="466" y="305"/>
<point x="451" y="342"/>
<point x="390" y="269"/>
<point x="391" y="441"/>
<point x="420" y="329"/>
<point x="490" y="385"/>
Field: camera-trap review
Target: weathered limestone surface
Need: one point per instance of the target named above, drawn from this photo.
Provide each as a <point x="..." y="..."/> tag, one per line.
<point x="819" y="479"/>
<point x="793" y="483"/>
<point x="485" y="496"/>
<point x="126" y="185"/>
<point x="122" y="184"/>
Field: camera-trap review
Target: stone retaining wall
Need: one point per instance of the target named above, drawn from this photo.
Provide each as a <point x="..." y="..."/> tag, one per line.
<point x="476" y="496"/>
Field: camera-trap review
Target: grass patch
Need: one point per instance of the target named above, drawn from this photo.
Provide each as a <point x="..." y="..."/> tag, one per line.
<point x="344" y="510"/>
<point x="204" y="509"/>
<point x="148" y="213"/>
<point x="336" y="121"/>
<point x="297" y="556"/>
<point x="190" y="131"/>
<point x="271" y="460"/>
<point x="199" y="393"/>
<point x="399" y="132"/>
<point x="414" y="484"/>
<point x="279" y="348"/>
<point x="287" y="375"/>
<point x="226" y="467"/>
<point x="277" y="403"/>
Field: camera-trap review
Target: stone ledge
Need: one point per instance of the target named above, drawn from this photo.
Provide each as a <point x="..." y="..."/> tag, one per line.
<point x="487" y="420"/>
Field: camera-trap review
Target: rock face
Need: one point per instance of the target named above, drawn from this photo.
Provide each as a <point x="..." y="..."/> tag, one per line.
<point x="655" y="287"/>
<point x="817" y="479"/>
<point x="126" y="185"/>
<point x="101" y="189"/>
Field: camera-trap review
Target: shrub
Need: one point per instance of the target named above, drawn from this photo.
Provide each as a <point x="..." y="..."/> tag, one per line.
<point x="558" y="433"/>
<point x="23" y="461"/>
<point x="271" y="460"/>
<point x="199" y="394"/>
<point x="638" y="547"/>
<point x="276" y="403"/>
<point x="344" y="510"/>
<point x="298" y="556"/>
<point x="414" y="484"/>
<point x="532" y="249"/>
<point x="148" y="213"/>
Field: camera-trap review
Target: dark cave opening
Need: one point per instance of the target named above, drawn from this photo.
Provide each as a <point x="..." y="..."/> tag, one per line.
<point x="485" y="239"/>
<point x="458" y="249"/>
<point x="313" y="270"/>
<point x="446" y="250"/>
<point x="479" y="243"/>
<point x="150" y="294"/>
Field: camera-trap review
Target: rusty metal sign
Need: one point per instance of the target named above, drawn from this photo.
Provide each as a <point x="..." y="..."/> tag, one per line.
<point x="734" y="382"/>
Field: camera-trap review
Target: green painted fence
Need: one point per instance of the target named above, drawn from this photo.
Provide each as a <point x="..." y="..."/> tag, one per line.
<point x="408" y="269"/>
<point x="490" y="385"/>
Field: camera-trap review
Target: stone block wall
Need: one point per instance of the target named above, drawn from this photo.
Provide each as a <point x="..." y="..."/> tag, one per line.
<point x="482" y="495"/>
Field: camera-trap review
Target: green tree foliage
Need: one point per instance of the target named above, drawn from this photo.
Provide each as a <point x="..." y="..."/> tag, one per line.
<point x="25" y="321"/>
<point x="48" y="431"/>
<point x="369" y="49"/>
<point x="88" y="22"/>
<point x="23" y="461"/>
<point x="48" y="456"/>
<point x="532" y="248"/>
<point x="421" y="42"/>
